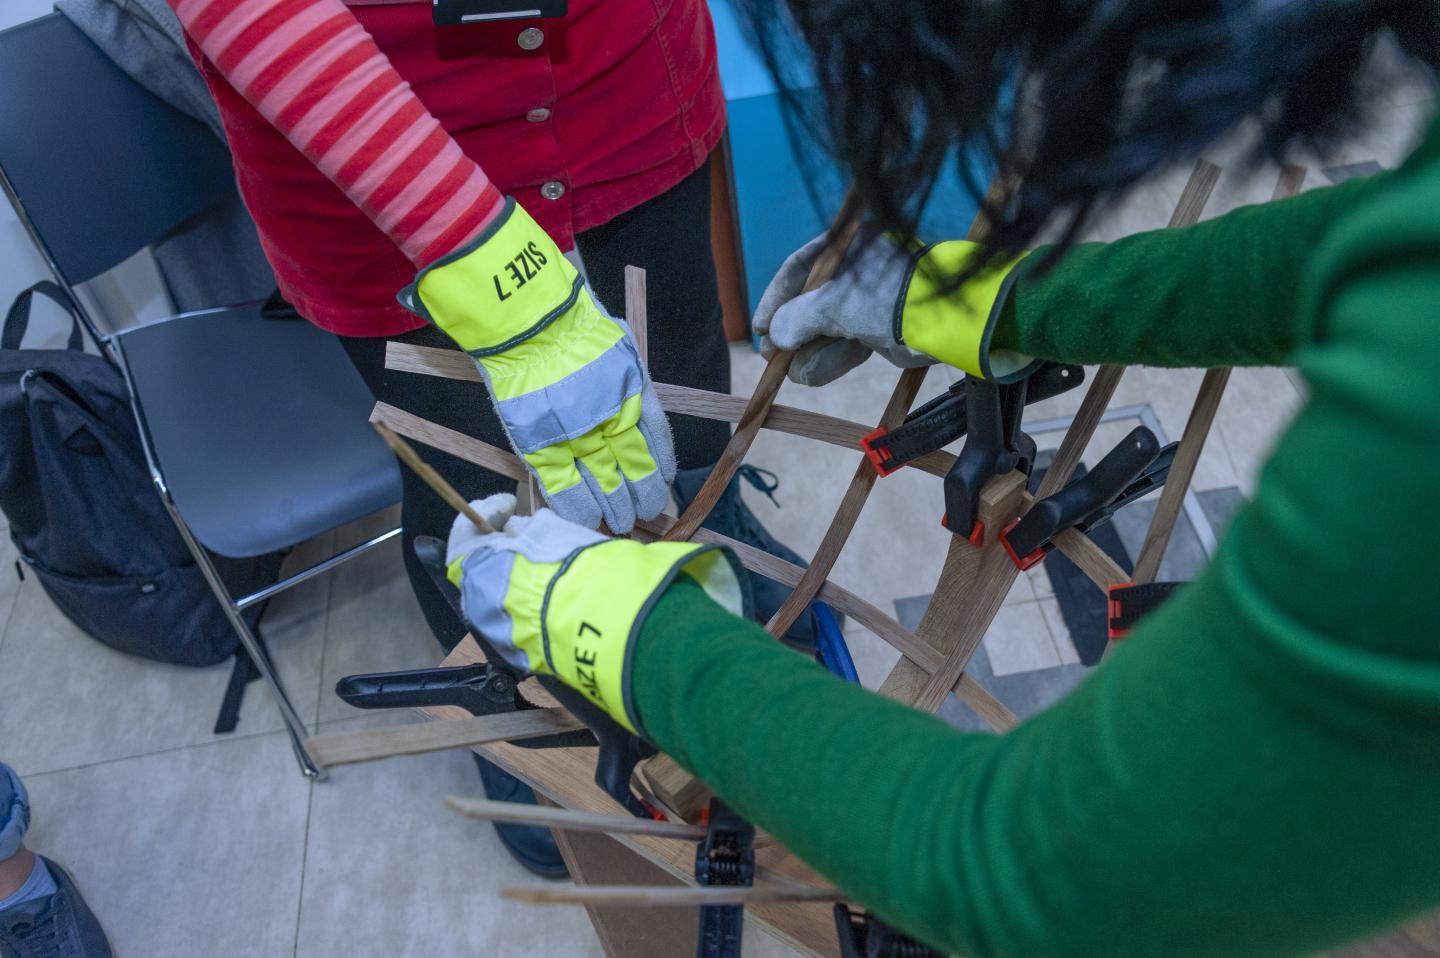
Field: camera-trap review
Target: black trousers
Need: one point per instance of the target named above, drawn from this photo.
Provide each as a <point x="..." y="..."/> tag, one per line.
<point x="669" y="237"/>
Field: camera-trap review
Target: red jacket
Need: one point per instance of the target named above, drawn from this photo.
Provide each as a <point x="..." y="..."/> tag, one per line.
<point x="591" y="116"/>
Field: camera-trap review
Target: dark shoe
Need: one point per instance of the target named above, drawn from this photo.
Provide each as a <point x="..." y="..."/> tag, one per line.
<point x="530" y="845"/>
<point x="57" y="926"/>
<point x="731" y="517"/>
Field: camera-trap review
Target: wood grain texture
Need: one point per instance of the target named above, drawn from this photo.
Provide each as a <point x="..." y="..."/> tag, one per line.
<point x="787" y="419"/>
<point x="959" y="617"/>
<point x="1090" y="559"/>
<point x="624" y="932"/>
<point x="681" y="792"/>
<point x="1195" y="195"/>
<point x="1182" y="470"/>
<point x="449" y="440"/>
<point x="487" y="810"/>
<point x="431" y="361"/>
<point x="406" y="454"/>
<point x="843" y="522"/>
<point x="678" y="400"/>
<point x="417" y="738"/>
<point x="636" y="311"/>
<point x="1197" y="430"/>
<point x="758" y="406"/>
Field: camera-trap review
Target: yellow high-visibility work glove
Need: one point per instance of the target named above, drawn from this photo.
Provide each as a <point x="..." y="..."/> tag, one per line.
<point x="565" y="377"/>
<point x="558" y="599"/>
<point x="887" y="299"/>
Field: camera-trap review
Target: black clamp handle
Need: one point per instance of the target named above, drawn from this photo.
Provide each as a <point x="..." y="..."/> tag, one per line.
<point x="993" y="446"/>
<point x="944" y="419"/>
<point x="862" y="935"/>
<point x="1133" y="468"/>
<point x="725" y="857"/>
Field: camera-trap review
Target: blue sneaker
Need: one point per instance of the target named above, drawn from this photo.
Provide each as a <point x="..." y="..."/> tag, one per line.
<point x="56" y="926"/>
<point x="731" y="517"/>
<point x="530" y="845"/>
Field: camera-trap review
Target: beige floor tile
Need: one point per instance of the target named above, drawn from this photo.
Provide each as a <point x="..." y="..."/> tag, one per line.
<point x="1019" y="641"/>
<point x="66" y="700"/>
<point x="1259" y="404"/>
<point x="375" y="623"/>
<point x="390" y="871"/>
<point x="184" y="853"/>
<point x="1059" y="634"/>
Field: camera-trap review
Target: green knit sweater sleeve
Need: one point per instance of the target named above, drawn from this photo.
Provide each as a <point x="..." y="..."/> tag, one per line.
<point x="1256" y="771"/>
<point x="1219" y="293"/>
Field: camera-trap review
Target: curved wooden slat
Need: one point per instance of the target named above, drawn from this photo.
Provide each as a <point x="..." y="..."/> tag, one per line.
<point x="758" y="407"/>
<point x="846" y="515"/>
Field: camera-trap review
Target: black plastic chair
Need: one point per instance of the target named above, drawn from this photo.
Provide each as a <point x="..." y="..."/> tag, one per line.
<point x="255" y="430"/>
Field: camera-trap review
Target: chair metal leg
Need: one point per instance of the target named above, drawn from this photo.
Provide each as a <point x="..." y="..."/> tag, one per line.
<point x="294" y="725"/>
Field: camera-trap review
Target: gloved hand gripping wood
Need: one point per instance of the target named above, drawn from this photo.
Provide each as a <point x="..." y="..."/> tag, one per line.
<point x="566" y="377"/>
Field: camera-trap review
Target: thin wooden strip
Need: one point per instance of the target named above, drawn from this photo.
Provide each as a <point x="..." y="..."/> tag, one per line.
<point x="846" y="515"/>
<point x="985" y="705"/>
<point x="416" y="738"/>
<point x="1197" y="430"/>
<point x="506" y="463"/>
<point x="659" y="896"/>
<point x="788" y="574"/>
<point x="431" y="361"/>
<point x="636" y="313"/>
<point x="1082" y="429"/>
<point x="1292" y="177"/>
<point x="406" y="454"/>
<point x="986" y="580"/>
<point x="449" y="440"/>
<point x="484" y="809"/>
<point x="1187" y="457"/>
<point x="845" y="433"/>
<point x="1098" y="567"/>
<point x="677" y="400"/>
<point x="1195" y="195"/>
<point x="758" y="407"/>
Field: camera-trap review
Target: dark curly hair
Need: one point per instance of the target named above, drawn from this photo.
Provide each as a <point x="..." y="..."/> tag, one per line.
<point x="1071" y="102"/>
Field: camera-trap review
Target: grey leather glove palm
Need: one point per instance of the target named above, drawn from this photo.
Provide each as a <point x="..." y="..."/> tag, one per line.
<point x="836" y="327"/>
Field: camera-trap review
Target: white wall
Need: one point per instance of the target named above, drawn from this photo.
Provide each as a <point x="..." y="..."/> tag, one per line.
<point x="130" y="291"/>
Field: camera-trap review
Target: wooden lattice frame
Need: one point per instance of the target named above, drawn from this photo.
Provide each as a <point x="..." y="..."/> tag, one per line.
<point x="972" y="586"/>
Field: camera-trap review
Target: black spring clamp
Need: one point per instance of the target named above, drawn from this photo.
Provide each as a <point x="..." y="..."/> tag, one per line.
<point x="727" y="858"/>
<point x="1134" y="468"/>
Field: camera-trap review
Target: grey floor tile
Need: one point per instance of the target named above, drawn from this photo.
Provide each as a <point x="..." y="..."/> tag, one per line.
<point x="1220" y="506"/>
<point x="874" y="657"/>
<point x="375" y="624"/>
<point x="390" y="871"/>
<point x="184" y="853"/>
<point x="66" y="700"/>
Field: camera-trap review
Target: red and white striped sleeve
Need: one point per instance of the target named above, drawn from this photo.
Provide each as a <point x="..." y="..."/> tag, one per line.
<point x="309" y="67"/>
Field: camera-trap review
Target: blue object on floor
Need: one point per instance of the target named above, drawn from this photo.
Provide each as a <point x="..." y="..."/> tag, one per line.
<point x="830" y="648"/>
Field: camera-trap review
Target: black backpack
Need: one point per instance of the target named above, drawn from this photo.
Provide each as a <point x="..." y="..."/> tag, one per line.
<point x="85" y="515"/>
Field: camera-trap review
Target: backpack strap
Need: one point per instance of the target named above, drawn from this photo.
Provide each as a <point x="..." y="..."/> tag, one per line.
<point x="17" y="320"/>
